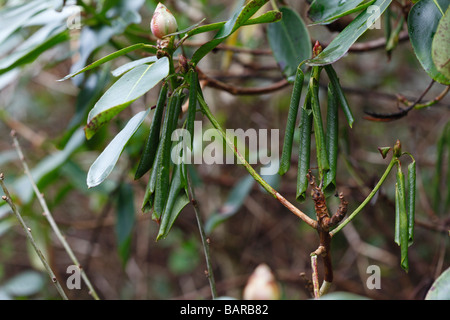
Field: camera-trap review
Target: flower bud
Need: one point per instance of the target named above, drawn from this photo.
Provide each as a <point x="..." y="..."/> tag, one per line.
<point x="163" y="22"/>
<point x="262" y="285"/>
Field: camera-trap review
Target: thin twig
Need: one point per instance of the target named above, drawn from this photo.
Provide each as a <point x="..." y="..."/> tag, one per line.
<point x="7" y="198"/>
<point x="205" y="240"/>
<point x="50" y="219"/>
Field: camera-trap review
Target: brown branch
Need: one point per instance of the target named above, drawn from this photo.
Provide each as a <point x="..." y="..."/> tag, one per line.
<point x="237" y="90"/>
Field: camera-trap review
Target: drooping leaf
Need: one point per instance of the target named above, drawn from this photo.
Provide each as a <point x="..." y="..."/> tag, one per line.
<point x="125" y="221"/>
<point x="285" y="162"/>
<point x="340" y="94"/>
<point x="306" y="120"/>
<point x="151" y="146"/>
<point x="176" y="201"/>
<point x="329" y="183"/>
<point x="164" y="161"/>
<point x="340" y="45"/>
<point x="411" y="205"/>
<point x="319" y="134"/>
<point x="237" y="20"/>
<point x="290" y="41"/>
<point x="440" y="46"/>
<point x="423" y="21"/>
<point x="402" y="238"/>
<point x="232" y="205"/>
<point x="327" y="11"/>
<point x="127" y="89"/>
<point x="104" y="164"/>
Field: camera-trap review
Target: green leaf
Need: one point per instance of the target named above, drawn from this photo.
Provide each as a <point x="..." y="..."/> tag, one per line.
<point x="127" y="89"/>
<point x="13" y="18"/>
<point x="151" y="146"/>
<point x="304" y="148"/>
<point x="125" y="221"/>
<point x="107" y="58"/>
<point x="236" y="21"/>
<point x="232" y="205"/>
<point x="402" y="218"/>
<point x="44" y="39"/>
<point x="329" y="184"/>
<point x="337" y="89"/>
<point x="176" y="201"/>
<point x="321" y="148"/>
<point x="104" y="164"/>
<point x="411" y="200"/>
<point x="327" y="11"/>
<point x="343" y="41"/>
<point x="194" y="87"/>
<point x="133" y="64"/>
<point x="290" y="41"/>
<point x="164" y="160"/>
<point x="440" y="48"/>
<point x="423" y="21"/>
<point x="285" y="162"/>
<point x="440" y="289"/>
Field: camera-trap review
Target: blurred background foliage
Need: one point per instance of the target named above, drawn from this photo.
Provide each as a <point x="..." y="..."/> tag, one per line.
<point x="47" y="115"/>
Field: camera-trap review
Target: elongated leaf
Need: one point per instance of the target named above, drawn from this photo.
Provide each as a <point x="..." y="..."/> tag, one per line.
<point x="176" y="201"/>
<point x="13" y="18"/>
<point x="411" y="200"/>
<point x="304" y="148"/>
<point x="163" y="166"/>
<point x="232" y="205"/>
<point x="125" y="221"/>
<point x="151" y="146"/>
<point x="423" y="21"/>
<point x="104" y="164"/>
<point x="238" y="19"/>
<point x="44" y="39"/>
<point x="340" y="45"/>
<point x="194" y="87"/>
<point x="285" y="162"/>
<point x="321" y="148"/>
<point x="340" y="94"/>
<point x="440" y="46"/>
<point x="127" y="89"/>
<point x="402" y="223"/>
<point x="327" y="11"/>
<point x="290" y="41"/>
<point x="329" y="184"/>
<point x="107" y="58"/>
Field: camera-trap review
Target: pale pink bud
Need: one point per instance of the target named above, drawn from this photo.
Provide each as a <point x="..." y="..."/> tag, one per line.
<point x="163" y="22"/>
<point x="262" y="285"/>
